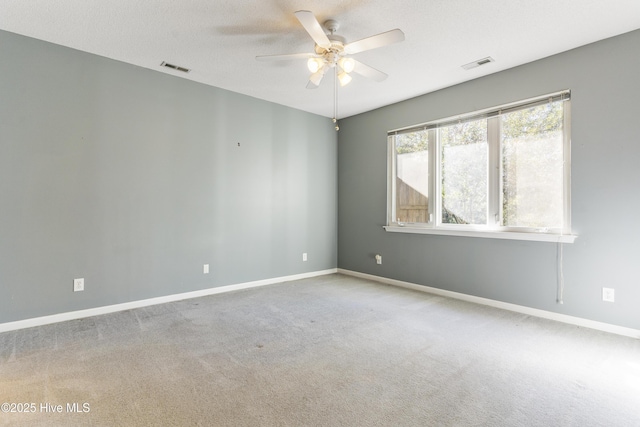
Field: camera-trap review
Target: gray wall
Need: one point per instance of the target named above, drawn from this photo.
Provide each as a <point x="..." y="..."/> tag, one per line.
<point x="603" y="79"/>
<point x="133" y="179"/>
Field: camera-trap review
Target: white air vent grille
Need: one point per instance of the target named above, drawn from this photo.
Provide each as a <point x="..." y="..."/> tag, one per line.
<point x="478" y="63"/>
<point x="175" y="67"/>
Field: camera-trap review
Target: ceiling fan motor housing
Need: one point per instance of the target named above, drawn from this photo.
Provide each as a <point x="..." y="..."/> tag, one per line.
<point x="334" y="52"/>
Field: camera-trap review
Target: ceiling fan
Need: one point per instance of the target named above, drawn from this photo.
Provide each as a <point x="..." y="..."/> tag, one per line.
<point x="333" y="52"/>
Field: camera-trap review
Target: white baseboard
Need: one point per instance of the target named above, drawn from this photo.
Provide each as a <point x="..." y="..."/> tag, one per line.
<point x="577" y="321"/>
<point x="61" y="317"/>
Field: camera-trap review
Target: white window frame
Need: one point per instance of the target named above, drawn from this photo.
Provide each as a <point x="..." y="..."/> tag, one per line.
<point x="492" y="229"/>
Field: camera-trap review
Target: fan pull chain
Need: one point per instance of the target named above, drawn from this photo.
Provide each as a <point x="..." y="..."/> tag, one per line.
<point x="335" y="98"/>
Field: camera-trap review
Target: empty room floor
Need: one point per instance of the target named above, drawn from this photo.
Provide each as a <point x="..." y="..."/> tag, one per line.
<point x="327" y="351"/>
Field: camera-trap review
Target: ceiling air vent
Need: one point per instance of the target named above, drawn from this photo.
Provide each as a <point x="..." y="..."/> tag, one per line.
<point x="478" y="63"/>
<point x="175" y="67"/>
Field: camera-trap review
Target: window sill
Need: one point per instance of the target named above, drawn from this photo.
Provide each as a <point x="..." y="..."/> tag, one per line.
<point x="510" y="235"/>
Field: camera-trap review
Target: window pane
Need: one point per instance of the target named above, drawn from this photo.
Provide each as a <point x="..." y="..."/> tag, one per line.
<point x="532" y="167"/>
<point x="464" y="172"/>
<point x="412" y="179"/>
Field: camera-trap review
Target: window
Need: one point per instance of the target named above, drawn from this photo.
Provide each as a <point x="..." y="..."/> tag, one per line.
<point x="503" y="172"/>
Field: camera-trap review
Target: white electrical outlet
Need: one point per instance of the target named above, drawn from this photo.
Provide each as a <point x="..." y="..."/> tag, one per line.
<point x="608" y="294"/>
<point x="304" y="256"/>
<point x="378" y="259"/>
<point x="205" y="269"/>
<point x="78" y="285"/>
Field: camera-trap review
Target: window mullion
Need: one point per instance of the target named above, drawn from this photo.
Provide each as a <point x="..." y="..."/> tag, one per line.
<point x="494" y="190"/>
<point x="437" y="178"/>
<point x="566" y="164"/>
<point x="433" y="154"/>
<point x="391" y="183"/>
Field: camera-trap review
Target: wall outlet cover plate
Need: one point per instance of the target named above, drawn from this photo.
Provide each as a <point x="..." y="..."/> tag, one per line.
<point x="608" y="294"/>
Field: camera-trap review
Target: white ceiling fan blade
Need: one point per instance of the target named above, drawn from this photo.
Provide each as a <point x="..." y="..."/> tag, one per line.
<point x="313" y="27"/>
<point x="285" y="56"/>
<point x="373" y="42"/>
<point x="369" y="72"/>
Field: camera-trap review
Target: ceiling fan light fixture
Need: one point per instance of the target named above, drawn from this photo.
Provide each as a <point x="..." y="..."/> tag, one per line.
<point x="314" y="64"/>
<point x="347" y="64"/>
<point x="316" y="77"/>
<point x="344" y="78"/>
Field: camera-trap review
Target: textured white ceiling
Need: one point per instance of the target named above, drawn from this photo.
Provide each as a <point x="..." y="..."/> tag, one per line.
<point x="219" y="39"/>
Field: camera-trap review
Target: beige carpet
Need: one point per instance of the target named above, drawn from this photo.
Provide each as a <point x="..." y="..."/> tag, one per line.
<point x="328" y="351"/>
